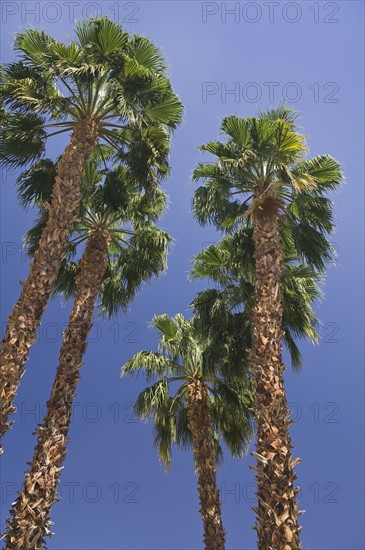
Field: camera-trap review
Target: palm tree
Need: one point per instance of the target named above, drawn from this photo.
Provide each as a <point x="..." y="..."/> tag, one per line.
<point x="209" y="403"/>
<point x="100" y="86"/>
<point x="123" y="249"/>
<point x="260" y="172"/>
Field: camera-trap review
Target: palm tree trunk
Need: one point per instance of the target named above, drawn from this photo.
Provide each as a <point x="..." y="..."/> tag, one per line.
<point x="277" y="511"/>
<point x="30" y="520"/>
<point x="205" y="462"/>
<point x="27" y="313"/>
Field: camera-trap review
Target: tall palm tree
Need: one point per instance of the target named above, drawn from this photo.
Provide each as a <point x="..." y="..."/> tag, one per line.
<point x="123" y="249"/>
<point x="260" y="169"/>
<point x="209" y="403"/>
<point x="98" y="86"/>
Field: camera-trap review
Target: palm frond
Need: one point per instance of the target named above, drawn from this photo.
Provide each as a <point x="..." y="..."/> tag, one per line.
<point x="152" y="363"/>
<point x="22" y="139"/>
<point x="36" y="184"/>
<point x="152" y="399"/>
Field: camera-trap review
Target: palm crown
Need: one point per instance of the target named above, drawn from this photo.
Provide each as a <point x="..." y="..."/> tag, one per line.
<point x="187" y="353"/>
<point x="263" y="153"/>
<point x="103" y="74"/>
<point x="112" y="199"/>
<point x="230" y="264"/>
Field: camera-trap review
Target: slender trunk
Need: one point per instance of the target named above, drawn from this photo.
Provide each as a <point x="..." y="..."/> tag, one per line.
<point x="30" y="521"/>
<point x="27" y="313"/>
<point x="205" y="463"/>
<point x="277" y="511"/>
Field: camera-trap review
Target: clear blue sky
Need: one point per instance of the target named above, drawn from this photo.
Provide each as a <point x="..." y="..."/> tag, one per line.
<point x="115" y="494"/>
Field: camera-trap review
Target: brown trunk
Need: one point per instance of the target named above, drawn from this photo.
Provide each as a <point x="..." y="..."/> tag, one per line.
<point x="277" y="511"/>
<point x="205" y="464"/>
<point x="30" y="521"/>
<point x="26" y="315"/>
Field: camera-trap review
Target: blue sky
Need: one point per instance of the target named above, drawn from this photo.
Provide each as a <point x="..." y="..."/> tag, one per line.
<point x="115" y="494"/>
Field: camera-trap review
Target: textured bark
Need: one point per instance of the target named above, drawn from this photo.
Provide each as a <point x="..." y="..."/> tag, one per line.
<point x="30" y="521"/>
<point x="205" y="463"/>
<point x="277" y="511"/>
<point x="27" y="313"/>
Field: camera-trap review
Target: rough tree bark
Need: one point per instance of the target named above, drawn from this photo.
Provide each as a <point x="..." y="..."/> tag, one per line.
<point x="205" y="463"/>
<point x="30" y="521"/>
<point x="27" y="312"/>
<point x="277" y="511"/>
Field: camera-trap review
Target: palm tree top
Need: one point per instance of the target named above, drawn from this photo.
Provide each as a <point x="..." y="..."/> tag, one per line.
<point x="262" y="153"/>
<point x="230" y="264"/>
<point x="268" y="148"/>
<point x="102" y="74"/>
<point x="113" y="200"/>
<point x="188" y="352"/>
